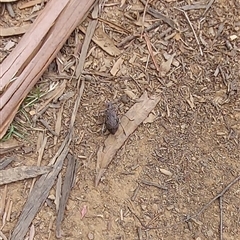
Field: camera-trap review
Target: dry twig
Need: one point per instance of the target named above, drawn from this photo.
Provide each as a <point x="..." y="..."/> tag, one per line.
<point x="159" y="15"/>
<point x="153" y="184"/>
<point x="215" y="198"/>
<point x="149" y="46"/>
<point x="208" y="7"/>
<point x="194" y="33"/>
<point x="221" y="217"/>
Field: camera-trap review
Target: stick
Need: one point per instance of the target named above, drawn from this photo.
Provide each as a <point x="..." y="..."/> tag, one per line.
<point x="194" y="33"/>
<point x="144" y="14"/>
<point x="153" y="184"/>
<point x="149" y="46"/>
<point x="159" y="15"/>
<point x="216" y="197"/>
<point x="221" y="218"/>
<point x="208" y="7"/>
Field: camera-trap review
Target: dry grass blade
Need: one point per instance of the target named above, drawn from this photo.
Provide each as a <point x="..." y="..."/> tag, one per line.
<point x="135" y="116"/>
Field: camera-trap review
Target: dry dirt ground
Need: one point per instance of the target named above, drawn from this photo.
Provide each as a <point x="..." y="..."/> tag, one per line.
<point x="171" y="166"/>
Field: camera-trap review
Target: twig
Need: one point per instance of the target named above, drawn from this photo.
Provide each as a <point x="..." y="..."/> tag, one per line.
<point x="193" y="7"/>
<point x="221" y="217"/>
<point x="149" y="46"/>
<point x="208" y="7"/>
<point x="194" y="33"/>
<point x="135" y="193"/>
<point x="46" y="125"/>
<point x="128" y="39"/>
<point x="138" y="218"/>
<point x="153" y="219"/>
<point x="215" y="198"/>
<point x="144" y="14"/>
<point x="159" y="15"/>
<point x="153" y="184"/>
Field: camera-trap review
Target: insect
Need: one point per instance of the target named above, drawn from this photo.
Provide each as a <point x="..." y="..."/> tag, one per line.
<point x="111" y="119"/>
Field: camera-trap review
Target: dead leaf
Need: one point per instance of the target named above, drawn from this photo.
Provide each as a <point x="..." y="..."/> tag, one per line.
<point x="165" y="66"/>
<point x="167" y="56"/>
<point x="151" y="118"/>
<point x="129" y="122"/>
<point x="103" y="41"/>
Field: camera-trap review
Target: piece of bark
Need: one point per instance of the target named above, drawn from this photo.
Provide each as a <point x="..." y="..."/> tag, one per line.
<point x="20" y="173"/>
<point x="4" y="162"/>
<point x="45" y="183"/>
<point x="40" y="193"/>
<point x="66" y="188"/>
<point x="129" y="122"/>
<point x="38" y="47"/>
<point x="9" y="145"/>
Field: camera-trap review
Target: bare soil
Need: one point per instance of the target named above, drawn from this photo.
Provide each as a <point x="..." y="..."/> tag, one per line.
<point x="171" y="166"/>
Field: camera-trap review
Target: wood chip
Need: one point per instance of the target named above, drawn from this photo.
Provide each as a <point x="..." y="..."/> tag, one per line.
<point x="12" y="31"/>
<point x="165" y="172"/>
<point x="30" y="4"/>
<point x="116" y="66"/>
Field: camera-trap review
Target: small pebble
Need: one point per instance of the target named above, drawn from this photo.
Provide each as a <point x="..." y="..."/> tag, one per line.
<point x="90" y="236"/>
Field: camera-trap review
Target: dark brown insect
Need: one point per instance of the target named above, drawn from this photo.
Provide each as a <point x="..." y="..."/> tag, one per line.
<point x="111" y="119"/>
